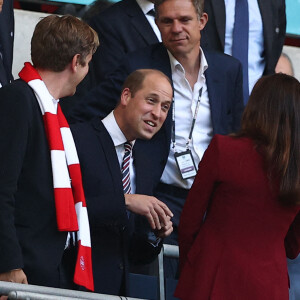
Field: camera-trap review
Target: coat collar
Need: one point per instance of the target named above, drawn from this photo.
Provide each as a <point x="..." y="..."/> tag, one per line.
<point x="219" y="12"/>
<point x="107" y="147"/>
<point x="139" y="21"/>
<point x="214" y="88"/>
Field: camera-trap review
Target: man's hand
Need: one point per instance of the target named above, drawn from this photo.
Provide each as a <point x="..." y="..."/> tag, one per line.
<point x="165" y="230"/>
<point x="154" y="210"/>
<point x="17" y="276"/>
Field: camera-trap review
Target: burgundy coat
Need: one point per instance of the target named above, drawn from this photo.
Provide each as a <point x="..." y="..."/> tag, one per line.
<point x="239" y="250"/>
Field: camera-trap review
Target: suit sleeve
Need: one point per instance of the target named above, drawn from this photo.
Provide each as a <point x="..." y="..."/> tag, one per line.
<point x="198" y="200"/>
<point x="13" y="143"/>
<point x="281" y="26"/>
<point x="292" y="240"/>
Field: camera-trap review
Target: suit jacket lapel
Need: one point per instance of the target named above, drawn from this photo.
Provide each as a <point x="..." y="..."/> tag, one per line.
<point x="214" y="89"/>
<point x="266" y="12"/>
<point x="109" y="150"/>
<point x="219" y="11"/>
<point x="140" y="171"/>
<point x="140" y="22"/>
<point x="160" y="59"/>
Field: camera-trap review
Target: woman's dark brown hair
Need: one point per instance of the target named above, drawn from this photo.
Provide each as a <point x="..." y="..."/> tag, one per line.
<point x="272" y="119"/>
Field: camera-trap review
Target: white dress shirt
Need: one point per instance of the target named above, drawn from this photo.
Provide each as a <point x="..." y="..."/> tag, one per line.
<point x="119" y="139"/>
<point x="256" y="60"/>
<point x="146" y="6"/>
<point x="185" y="98"/>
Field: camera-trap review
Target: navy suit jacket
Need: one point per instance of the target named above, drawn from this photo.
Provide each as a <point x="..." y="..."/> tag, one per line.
<point x="29" y="238"/>
<point x="224" y="84"/>
<point x="114" y="237"/>
<point x="274" y="26"/>
<point x="6" y="41"/>
<point x="122" y="28"/>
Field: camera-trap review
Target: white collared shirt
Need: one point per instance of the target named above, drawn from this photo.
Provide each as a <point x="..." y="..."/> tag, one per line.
<point x="185" y="98"/>
<point x="146" y="6"/>
<point x="119" y="139"/>
<point x="55" y="103"/>
<point x="256" y="59"/>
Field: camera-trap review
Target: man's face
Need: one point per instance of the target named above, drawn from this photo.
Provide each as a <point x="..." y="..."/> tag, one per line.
<point x="180" y="27"/>
<point x="148" y="109"/>
<point x="1" y="4"/>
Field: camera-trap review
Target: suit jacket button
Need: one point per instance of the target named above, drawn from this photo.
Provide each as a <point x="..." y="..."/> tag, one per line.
<point x="121" y="266"/>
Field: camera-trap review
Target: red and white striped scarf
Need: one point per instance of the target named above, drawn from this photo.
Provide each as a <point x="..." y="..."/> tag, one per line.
<point x="70" y="202"/>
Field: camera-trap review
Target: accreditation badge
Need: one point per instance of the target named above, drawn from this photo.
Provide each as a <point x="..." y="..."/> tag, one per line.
<point x="185" y="164"/>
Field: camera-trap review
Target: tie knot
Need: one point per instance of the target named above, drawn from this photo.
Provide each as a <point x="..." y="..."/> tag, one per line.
<point x="151" y="12"/>
<point x="127" y="147"/>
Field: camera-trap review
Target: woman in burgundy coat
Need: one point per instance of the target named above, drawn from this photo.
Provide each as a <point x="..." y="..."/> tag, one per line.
<point x="241" y="218"/>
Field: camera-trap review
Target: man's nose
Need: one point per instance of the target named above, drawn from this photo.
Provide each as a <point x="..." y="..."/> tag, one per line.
<point x="156" y="110"/>
<point x="176" y="26"/>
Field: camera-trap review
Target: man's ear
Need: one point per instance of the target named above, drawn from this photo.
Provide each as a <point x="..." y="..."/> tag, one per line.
<point x="125" y="97"/>
<point x="75" y="62"/>
<point x="203" y="21"/>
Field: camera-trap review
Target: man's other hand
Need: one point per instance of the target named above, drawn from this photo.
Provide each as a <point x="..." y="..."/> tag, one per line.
<point x="17" y="276"/>
<point x="153" y="209"/>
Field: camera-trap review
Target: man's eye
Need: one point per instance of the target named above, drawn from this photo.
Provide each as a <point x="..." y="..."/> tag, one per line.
<point x="165" y="107"/>
<point x="185" y="20"/>
<point x="166" y="21"/>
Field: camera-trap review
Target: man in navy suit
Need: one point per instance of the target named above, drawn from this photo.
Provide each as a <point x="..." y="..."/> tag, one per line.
<point x="115" y="233"/>
<point x="267" y="26"/>
<point x="6" y="41"/>
<point x="203" y="81"/>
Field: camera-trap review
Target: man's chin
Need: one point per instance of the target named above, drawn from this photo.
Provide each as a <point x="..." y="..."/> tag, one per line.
<point x="147" y="135"/>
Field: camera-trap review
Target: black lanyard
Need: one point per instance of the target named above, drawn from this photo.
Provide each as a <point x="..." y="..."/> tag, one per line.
<point x="193" y="123"/>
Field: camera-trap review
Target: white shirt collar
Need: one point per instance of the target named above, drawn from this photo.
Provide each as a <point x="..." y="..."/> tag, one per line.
<point x="114" y="130"/>
<point x="55" y="103"/>
<point x="145" y="5"/>
<point x="176" y="65"/>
